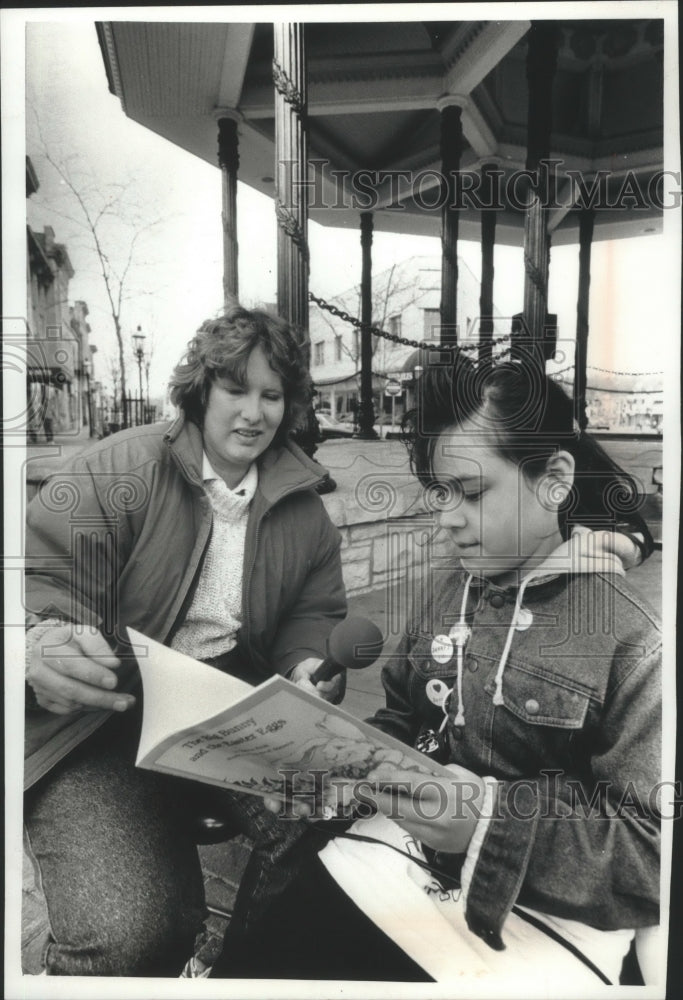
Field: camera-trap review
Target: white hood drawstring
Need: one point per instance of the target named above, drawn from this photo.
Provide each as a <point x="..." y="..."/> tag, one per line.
<point x="460" y="633"/>
<point x="564" y="559"/>
<point x="498" y="693"/>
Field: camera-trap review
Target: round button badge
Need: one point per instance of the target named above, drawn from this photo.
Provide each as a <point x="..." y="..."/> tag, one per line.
<point x="442" y="649"/>
<point x="437" y="691"/>
<point x="524" y="620"/>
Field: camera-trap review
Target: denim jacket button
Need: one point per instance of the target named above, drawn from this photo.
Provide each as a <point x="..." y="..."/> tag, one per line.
<point x="496" y="600"/>
<point x="472" y="663"/>
<point x="532" y="706"/>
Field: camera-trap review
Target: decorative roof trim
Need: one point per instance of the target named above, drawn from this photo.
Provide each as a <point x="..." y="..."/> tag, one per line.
<point x="467" y="37"/>
<point x="105" y="35"/>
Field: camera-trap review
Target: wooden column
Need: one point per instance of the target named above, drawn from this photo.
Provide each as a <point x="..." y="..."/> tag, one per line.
<point x="450" y="108"/>
<point x="541" y="64"/>
<point x="586" y="222"/>
<point x="366" y="409"/>
<point x="291" y="206"/>
<point x="291" y="164"/>
<point x="228" y="161"/>
<point x="488" y="242"/>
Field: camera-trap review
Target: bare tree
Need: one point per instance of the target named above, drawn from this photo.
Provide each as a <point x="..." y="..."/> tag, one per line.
<point x="388" y="298"/>
<point x="97" y="210"/>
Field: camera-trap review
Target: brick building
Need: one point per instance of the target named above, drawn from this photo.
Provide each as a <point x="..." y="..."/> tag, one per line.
<point x="59" y="355"/>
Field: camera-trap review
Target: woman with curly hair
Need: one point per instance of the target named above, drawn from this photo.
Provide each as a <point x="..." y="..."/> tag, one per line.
<point x="206" y="534"/>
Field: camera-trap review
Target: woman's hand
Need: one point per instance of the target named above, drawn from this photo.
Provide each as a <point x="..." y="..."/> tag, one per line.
<point x="332" y="690"/>
<point x="72" y="671"/>
<point x="439" y="812"/>
<point x="623" y="547"/>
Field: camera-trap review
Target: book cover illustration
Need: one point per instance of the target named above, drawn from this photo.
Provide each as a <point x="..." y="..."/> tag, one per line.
<point x="203" y="724"/>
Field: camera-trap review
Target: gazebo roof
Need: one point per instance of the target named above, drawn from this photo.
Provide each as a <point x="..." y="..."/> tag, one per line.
<point x="373" y="90"/>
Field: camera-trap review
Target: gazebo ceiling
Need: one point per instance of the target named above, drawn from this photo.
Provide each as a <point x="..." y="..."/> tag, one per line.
<point x="372" y="106"/>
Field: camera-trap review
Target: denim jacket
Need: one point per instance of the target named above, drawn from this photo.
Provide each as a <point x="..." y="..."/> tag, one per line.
<point x="574" y="741"/>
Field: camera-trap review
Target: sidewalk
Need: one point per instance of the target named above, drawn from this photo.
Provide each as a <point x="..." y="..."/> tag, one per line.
<point x="63" y="446"/>
<point x="345" y="459"/>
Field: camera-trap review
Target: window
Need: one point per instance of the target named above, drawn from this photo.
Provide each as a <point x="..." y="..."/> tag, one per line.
<point x="432" y="324"/>
<point x="319" y="353"/>
<point x="337" y="348"/>
<point x="395" y="325"/>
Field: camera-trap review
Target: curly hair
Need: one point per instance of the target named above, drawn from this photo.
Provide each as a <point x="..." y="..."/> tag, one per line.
<point x="221" y="349"/>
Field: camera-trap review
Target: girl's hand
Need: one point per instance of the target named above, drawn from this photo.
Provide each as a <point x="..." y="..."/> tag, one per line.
<point x="439" y="812"/>
<point x="272" y="804"/>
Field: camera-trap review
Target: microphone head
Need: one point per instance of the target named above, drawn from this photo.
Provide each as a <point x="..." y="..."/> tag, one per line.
<point x="355" y="643"/>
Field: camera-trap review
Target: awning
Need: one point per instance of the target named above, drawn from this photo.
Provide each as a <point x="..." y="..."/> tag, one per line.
<point x="51" y="360"/>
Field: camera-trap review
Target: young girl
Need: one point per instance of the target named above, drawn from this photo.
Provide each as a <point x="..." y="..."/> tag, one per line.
<point x="535" y="676"/>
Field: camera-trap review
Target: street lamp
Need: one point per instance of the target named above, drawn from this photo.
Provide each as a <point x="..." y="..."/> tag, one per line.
<point x="96" y="389"/>
<point x="139" y="351"/>
<point x="147" y="364"/>
<point x="87" y="367"/>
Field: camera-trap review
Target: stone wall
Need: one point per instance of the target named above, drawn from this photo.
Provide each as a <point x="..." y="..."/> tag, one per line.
<point x="388" y="536"/>
<point x="382" y="553"/>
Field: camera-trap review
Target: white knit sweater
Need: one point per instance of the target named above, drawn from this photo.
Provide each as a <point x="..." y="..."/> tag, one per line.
<point x="215" y="615"/>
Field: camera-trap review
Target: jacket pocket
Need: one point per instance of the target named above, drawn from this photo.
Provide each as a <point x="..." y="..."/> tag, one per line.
<point x="423" y="663"/>
<point x="540" y="699"/>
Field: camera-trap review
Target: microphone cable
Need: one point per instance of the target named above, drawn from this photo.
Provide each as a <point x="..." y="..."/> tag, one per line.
<point x="445" y="878"/>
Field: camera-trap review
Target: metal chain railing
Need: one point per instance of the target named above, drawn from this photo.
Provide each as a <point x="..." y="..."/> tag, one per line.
<point x="612" y="371"/>
<point x="623" y="392"/>
<point x="394" y="337"/>
<point x="467" y="348"/>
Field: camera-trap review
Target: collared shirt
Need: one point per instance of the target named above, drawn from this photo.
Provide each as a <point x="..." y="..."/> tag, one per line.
<point x="246" y="487"/>
<point x="215" y="615"/>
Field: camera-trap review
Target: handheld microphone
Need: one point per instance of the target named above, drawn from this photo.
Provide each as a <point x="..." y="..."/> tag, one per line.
<point x="353" y="644"/>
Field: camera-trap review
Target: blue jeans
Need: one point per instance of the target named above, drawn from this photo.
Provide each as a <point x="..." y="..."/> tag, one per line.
<point x="120" y="869"/>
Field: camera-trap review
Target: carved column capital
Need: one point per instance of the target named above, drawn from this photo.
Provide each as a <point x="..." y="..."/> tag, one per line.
<point x="232" y="113"/>
<point x="452" y="101"/>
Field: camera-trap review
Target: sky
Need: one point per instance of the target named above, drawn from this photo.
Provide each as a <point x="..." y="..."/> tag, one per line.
<point x="178" y="282"/>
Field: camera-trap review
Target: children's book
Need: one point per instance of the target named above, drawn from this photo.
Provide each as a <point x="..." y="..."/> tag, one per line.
<point x="273" y="739"/>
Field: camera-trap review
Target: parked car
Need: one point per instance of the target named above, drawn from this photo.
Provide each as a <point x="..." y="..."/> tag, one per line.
<point x="331" y="428"/>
